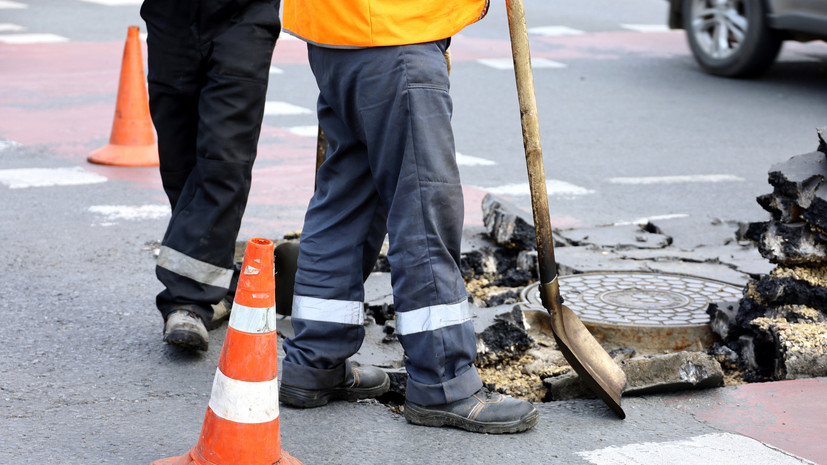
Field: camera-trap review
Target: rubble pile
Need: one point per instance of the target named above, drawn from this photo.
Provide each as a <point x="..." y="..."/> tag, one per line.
<point x="496" y="269"/>
<point x="517" y="354"/>
<point x="779" y="328"/>
<point x="523" y="361"/>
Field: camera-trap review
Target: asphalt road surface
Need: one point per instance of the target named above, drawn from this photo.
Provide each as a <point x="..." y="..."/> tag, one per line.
<point x="631" y="129"/>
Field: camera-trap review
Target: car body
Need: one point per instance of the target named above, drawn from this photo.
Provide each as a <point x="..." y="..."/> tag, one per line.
<point x="739" y="38"/>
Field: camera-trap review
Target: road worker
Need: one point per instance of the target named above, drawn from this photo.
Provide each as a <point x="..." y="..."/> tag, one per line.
<point x="390" y="168"/>
<point x="209" y="63"/>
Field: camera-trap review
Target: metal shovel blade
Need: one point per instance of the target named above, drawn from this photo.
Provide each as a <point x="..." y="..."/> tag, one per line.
<point x="594" y="366"/>
<point x="588" y="358"/>
<point x="591" y="362"/>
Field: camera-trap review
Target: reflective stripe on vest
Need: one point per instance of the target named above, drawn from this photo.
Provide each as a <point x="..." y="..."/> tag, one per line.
<point x="196" y="270"/>
<point x="375" y="23"/>
<point x="432" y="318"/>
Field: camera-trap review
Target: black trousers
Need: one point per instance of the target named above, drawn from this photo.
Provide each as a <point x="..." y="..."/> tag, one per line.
<point x="209" y="64"/>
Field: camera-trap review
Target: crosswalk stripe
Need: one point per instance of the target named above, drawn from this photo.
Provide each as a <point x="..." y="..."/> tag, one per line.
<point x="468" y="160"/>
<point x="274" y="70"/>
<point x="9" y="5"/>
<point x="553" y="187"/>
<point x="554" y="31"/>
<point x="508" y="63"/>
<point x="9" y="27"/>
<point x="676" y="179"/>
<point x="45" y="177"/>
<point x="272" y="108"/>
<point x="131" y="212"/>
<point x="305" y="131"/>
<point x="648" y="219"/>
<point x="7" y="144"/>
<point x="114" y="2"/>
<point x="722" y="448"/>
<point x="31" y="38"/>
<point x="646" y="27"/>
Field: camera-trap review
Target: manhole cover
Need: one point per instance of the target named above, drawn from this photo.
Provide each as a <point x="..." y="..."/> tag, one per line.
<point x="643" y="310"/>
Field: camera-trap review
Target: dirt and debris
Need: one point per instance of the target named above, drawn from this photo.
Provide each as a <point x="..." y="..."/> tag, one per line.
<point x="517" y="379"/>
<point x="517" y="354"/>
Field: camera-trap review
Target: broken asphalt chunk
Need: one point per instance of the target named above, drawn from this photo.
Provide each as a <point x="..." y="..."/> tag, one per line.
<point x="508" y="225"/>
<point x="672" y="372"/>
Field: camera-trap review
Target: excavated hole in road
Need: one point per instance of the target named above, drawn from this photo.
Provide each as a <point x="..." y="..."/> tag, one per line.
<point x="518" y="355"/>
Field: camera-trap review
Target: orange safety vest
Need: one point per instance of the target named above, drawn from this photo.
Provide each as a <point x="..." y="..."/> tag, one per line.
<point x="376" y="23"/>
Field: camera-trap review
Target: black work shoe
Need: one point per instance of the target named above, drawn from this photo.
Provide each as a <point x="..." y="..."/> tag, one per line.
<point x="482" y="412"/>
<point x="363" y="383"/>
<point x="186" y="329"/>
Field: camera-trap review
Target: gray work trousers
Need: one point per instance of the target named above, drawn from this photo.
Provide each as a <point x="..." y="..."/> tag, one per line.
<point x="390" y="168"/>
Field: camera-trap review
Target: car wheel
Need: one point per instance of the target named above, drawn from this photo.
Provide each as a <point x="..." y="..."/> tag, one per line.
<point x="730" y="37"/>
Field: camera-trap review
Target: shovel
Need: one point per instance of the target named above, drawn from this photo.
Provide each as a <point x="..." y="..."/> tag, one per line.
<point x="591" y="362"/>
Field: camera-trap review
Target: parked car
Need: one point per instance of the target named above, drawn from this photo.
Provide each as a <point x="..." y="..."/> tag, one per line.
<point x="739" y="38"/>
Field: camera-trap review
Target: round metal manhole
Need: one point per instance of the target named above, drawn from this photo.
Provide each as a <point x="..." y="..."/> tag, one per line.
<point x="643" y="310"/>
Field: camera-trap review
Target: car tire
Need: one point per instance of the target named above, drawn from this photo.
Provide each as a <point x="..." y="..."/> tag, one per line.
<point x="749" y="47"/>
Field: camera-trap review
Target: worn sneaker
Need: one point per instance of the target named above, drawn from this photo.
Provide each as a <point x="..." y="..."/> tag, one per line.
<point x="364" y="383"/>
<point x="482" y="412"/>
<point x="186" y="329"/>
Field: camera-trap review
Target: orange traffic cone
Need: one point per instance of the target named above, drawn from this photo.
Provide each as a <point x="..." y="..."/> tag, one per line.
<point x="132" y="142"/>
<point x="241" y="426"/>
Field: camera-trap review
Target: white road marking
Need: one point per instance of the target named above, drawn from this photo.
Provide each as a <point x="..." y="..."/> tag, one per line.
<point x="305" y="131"/>
<point x="508" y="63"/>
<point x="274" y="70"/>
<point x="31" y="38"/>
<point x="45" y="177"/>
<point x="127" y="212"/>
<point x="7" y="144"/>
<point x="114" y="2"/>
<point x="284" y="108"/>
<point x="468" y="160"/>
<point x="553" y="187"/>
<point x="554" y="31"/>
<point x="648" y="219"/>
<point x="720" y="448"/>
<point x="677" y="179"/>
<point x="9" y="27"/>
<point x="646" y="27"/>
<point x="8" y="5"/>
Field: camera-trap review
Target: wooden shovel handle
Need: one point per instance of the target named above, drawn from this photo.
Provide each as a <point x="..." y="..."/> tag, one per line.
<point x="531" y="139"/>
